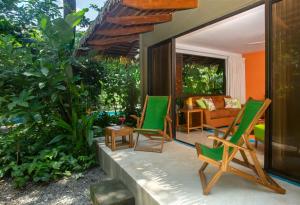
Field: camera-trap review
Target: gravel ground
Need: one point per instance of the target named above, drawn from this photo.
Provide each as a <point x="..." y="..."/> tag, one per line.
<point x="63" y="192"/>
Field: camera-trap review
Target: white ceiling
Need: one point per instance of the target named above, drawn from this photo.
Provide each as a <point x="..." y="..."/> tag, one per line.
<point x="242" y="33"/>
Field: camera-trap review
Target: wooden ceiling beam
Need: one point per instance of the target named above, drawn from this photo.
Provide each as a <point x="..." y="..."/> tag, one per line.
<point x="113" y="41"/>
<point x="132" y="48"/>
<point x="139" y="20"/>
<point x="99" y="48"/>
<point x="160" y="4"/>
<point x="125" y="31"/>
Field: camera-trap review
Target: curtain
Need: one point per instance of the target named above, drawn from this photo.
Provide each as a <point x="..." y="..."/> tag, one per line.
<point x="235" y="78"/>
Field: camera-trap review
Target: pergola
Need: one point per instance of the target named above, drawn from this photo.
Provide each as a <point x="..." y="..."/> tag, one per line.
<point x="115" y="32"/>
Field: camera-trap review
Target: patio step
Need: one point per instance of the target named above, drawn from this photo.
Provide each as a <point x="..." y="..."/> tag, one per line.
<point x="111" y="192"/>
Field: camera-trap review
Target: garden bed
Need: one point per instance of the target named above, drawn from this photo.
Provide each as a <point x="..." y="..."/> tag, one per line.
<point x="72" y="190"/>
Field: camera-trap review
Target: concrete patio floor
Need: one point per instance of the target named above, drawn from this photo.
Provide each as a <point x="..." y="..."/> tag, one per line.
<point x="202" y="137"/>
<point x="172" y="178"/>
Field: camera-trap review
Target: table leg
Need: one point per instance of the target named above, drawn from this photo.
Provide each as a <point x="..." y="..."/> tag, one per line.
<point x="130" y="140"/>
<point x="113" y="142"/>
<point x="106" y="139"/>
<point x="188" y="122"/>
<point x="123" y="139"/>
<point x="201" y="113"/>
<point x="177" y="120"/>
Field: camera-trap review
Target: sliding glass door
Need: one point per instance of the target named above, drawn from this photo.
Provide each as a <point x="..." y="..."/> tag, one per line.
<point x="284" y="88"/>
<point x="161" y="72"/>
<point x="160" y="65"/>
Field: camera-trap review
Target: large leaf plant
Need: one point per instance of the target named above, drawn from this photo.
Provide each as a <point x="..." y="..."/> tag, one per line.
<point x="42" y="103"/>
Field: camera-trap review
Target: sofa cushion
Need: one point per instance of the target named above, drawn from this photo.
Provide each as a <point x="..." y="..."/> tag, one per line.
<point x="200" y="102"/>
<point x="225" y="112"/>
<point x="209" y="104"/>
<point x="220" y="113"/>
<point x="233" y="111"/>
<point x="220" y="122"/>
<point x="219" y="101"/>
<point x="232" y="103"/>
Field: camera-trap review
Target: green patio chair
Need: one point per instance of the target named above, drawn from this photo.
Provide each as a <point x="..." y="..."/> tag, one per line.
<point x="225" y="151"/>
<point x="155" y="122"/>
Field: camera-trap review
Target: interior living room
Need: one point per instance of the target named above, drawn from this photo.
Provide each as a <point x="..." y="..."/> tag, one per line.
<point x="219" y="67"/>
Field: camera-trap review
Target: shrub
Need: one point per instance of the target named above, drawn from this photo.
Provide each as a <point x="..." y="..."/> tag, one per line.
<point x="50" y="100"/>
<point x="119" y="80"/>
<point x="42" y="102"/>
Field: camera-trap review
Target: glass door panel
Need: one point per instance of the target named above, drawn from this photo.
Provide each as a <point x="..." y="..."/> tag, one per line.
<point x="285" y="88"/>
<point x="161" y="73"/>
<point x="160" y="69"/>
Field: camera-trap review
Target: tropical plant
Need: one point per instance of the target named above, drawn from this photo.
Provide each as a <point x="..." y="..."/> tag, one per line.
<point x="119" y="80"/>
<point x="52" y="102"/>
<point x="121" y="85"/>
<point x="42" y="102"/>
<point x="200" y="79"/>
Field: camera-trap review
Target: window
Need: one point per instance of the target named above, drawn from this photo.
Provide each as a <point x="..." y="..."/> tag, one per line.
<point x="202" y="75"/>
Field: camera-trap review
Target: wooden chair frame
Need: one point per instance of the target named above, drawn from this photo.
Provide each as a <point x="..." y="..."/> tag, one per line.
<point x="166" y="134"/>
<point x="260" y="176"/>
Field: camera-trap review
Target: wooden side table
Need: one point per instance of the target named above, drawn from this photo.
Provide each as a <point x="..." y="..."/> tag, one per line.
<point x="111" y="134"/>
<point x="189" y="124"/>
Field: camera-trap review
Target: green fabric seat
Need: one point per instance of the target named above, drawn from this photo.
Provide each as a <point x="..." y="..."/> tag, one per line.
<point x="251" y="109"/>
<point x="154" y="123"/>
<point x="156" y="111"/>
<point x="147" y="132"/>
<point x="259" y="132"/>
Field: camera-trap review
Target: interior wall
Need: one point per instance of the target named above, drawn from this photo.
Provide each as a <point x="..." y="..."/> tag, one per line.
<point x="255" y="74"/>
<point x="183" y="21"/>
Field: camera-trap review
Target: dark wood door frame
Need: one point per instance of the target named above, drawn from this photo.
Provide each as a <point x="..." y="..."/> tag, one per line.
<point x="173" y="77"/>
<point x="268" y="132"/>
<point x="268" y="44"/>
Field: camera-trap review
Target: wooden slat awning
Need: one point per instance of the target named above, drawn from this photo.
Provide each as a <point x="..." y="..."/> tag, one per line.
<point x="116" y="30"/>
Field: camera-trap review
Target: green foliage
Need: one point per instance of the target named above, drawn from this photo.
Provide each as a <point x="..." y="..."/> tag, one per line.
<point x="78" y="132"/>
<point x="50" y="100"/>
<point x="119" y="80"/>
<point x="48" y="164"/>
<point x="20" y="18"/>
<point x="42" y="102"/>
<point x="120" y="85"/>
<point x="199" y="79"/>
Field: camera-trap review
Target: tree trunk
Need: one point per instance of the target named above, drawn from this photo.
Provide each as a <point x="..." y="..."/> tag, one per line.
<point x="69" y="7"/>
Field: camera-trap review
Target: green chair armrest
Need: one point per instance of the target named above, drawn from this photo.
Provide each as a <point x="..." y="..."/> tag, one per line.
<point x="225" y="142"/>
